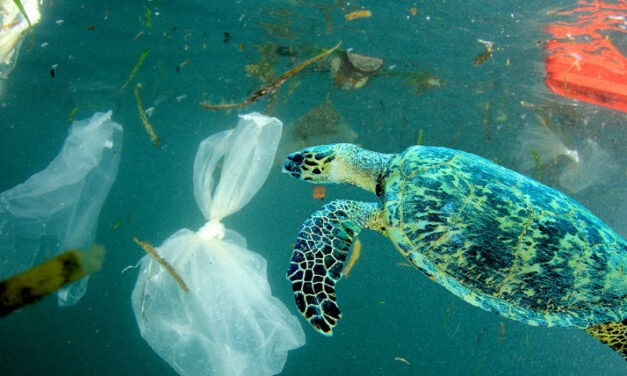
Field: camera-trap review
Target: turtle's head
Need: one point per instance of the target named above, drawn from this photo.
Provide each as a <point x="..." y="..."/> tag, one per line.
<point x="337" y="163"/>
<point x="313" y="163"/>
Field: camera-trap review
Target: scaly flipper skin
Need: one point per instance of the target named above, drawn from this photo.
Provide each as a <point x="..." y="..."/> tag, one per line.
<point x="319" y="255"/>
<point x="613" y="334"/>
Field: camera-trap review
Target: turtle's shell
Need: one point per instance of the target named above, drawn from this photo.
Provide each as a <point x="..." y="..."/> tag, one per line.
<point x="502" y="241"/>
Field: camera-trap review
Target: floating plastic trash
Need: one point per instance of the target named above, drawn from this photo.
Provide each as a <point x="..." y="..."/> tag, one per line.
<point x="576" y="169"/>
<point x="351" y="71"/>
<point x="228" y="323"/>
<point x="321" y="124"/>
<point x="583" y="60"/>
<point x="57" y="209"/>
<point x="595" y="166"/>
<point x="538" y="146"/>
<point x="271" y="87"/>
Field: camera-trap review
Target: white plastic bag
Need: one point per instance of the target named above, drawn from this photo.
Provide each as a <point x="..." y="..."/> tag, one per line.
<point x="228" y="323"/>
<point x="57" y="209"/>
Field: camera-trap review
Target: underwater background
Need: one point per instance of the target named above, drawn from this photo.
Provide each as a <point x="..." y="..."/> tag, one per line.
<point x="395" y="320"/>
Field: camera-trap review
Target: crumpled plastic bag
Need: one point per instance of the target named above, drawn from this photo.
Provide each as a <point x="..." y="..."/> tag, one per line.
<point x="228" y="323"/>
<point x="57" y="209"/>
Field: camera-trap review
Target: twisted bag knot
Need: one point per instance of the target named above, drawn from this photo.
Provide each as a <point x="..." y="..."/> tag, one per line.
<point x="212" y="230"/>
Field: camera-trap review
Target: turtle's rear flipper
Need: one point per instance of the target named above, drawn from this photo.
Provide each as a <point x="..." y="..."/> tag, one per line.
<point x="319" y="255"/>
<point x="613" y="334"/>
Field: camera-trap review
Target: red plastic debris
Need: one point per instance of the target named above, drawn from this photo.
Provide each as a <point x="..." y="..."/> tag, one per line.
<point x="582" y="62"/>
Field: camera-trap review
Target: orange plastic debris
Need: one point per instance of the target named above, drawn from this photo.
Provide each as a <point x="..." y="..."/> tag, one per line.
<point x="582" y="62"/>
<point x="319" y="192"/>
<point x="356" y="252"/>
<point x="357" y="14"/>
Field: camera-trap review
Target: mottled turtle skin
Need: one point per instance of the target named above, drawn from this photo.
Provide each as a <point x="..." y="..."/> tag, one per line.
<point x="493" y="237"/>
<point x="504" y="242"/>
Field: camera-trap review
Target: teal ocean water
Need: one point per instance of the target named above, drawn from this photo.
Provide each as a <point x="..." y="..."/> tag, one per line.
<point x="395" y="320"/>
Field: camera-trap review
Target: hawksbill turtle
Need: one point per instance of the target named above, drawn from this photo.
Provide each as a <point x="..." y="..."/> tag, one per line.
<point x="493" y="237"/>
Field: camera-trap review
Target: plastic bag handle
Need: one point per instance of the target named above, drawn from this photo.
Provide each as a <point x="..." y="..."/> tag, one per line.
<point x="248" y="153"/>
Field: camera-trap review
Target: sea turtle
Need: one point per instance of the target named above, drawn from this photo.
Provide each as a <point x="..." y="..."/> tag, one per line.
<point x="493" y="237"/>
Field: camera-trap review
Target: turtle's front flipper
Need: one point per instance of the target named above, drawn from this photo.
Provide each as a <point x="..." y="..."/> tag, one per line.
<point x="613" y="334"/>
<point x="321" y="249"/>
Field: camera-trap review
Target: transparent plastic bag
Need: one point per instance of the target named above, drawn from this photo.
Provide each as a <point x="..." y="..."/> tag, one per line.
<point x="57" y="209"/>
<point x="228" y="323"/>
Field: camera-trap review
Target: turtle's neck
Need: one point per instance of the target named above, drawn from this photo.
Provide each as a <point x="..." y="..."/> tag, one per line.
<point x="357" y="166"/>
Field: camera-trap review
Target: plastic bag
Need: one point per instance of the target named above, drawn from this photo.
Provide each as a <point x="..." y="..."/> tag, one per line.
<point x="57" y="209"/>
<point x="228" y="323"/>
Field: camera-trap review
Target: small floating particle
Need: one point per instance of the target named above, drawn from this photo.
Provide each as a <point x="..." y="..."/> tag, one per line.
<point x="402" y="360"/>
<point x="413" y="11"/>
<point x="328" y="25"/>
<point x="148" y="17"/>
<point x="420" y="135"/>
<point x="153" y="253"/>
<point x="319" y="192"/>
<point x="144" y="119"/>
<point x="357" y="14"/>
<point x="501" y="331"/>
<point x="73" y="113"/>
<point x="286" y="51"/>
<point x="181" y="65"/>
<point x="485" y="55"/>
<point x="526" y="104"/>
<point x="355" y="253"/>
<point x="116" y="225"/>
<point x="91" y="27"/>
<point x="139" y="63"/>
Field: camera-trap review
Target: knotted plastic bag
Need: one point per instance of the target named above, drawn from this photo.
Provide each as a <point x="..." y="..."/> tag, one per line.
<point x="228" y="323"/>
<point x="57" y="209"/>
